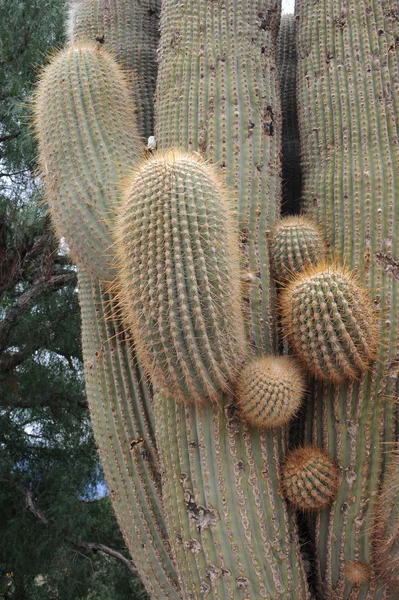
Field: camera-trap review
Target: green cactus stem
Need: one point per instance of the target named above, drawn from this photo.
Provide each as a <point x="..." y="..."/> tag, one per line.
<point x="331" y="323"/>
<point x="386" y="528"/>
<point x="309" y="478"/>
<point x="348" y="99"/>
<point x="177" y="248"/>
<point x="130" y="31"/>
<point x="86" y="127"/>
<point x="297" y="243"/>
<point x="119" y="399"/>
<point x="270" y="391"/>
<point x="217" y="94"/>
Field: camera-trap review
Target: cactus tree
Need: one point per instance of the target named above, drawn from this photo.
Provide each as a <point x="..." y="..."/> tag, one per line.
<point x="181" y="314"/>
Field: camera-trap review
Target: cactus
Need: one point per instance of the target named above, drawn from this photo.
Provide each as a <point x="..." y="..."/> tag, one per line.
<point x="128" y="30"/>
<point x="86" y="126"/>
<point x="310" y="479"/>
<point x="270" y="391"/>
<point x="296" y="243"/>
<point x="200" y="494"/>
<point x="178" y="271"/>
<point x="331" y="323"/>
<point x="348" y="106"/>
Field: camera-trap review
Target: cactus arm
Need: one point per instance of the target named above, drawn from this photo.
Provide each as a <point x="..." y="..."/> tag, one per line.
<point x="348" y="94"/>
<point x="178" y="276"/>
<point x="88" y="139"/>
<point x="82" y="170"/>
<point x="116" y="392"/>
<point x="129" y="30"/>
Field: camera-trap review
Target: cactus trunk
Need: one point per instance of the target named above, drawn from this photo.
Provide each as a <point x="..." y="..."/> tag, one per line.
<point x="218" y="95"/>
<point x="348" y="99"/>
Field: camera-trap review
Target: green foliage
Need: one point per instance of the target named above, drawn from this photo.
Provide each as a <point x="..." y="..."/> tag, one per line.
<point x="29" y="30"/>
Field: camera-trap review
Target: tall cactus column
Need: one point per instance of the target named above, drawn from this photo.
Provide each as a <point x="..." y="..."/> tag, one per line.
<point x="348" y="95"/>
<point x="88" y="141"/>
<point x="130" y="31"/>
<point x="217" y="94"/>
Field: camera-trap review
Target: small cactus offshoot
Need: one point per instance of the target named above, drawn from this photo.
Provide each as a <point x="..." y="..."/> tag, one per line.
<point x="331" y="323"/>
<point x="357" y="572"/>
<point x="270" y="391"/>
<point x="310" y="478"/>
<point x="297" y="243"/>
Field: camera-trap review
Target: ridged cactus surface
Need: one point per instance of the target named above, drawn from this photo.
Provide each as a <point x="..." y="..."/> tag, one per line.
<point x="270" y="391"/>
<point x="119" y="399"/>
<point x="348" y="96"/>
<point x="130" y="31"/>
<point x="330" y="322"/>
<point x="297" y="243"/>
<point x="291" y="161"/>
<point x="386" y="528"/>
<point x="86" y="125"/>
<point x="179" y="274"/>
<point x="218" y="95"/>
<point x="200" y="492"/>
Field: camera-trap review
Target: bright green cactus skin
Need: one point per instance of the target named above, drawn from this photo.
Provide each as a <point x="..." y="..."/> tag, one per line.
<point x="88" y="140"/>
<point x="296" y="244"/>
<point x="178" y="271"/>
<point x="348" y="97"/>
<point x="128" y="30"/>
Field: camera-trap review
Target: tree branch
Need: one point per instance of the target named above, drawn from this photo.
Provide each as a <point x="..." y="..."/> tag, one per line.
<point x="88" y="546"/>
<point x="97" y="547"/>
<point x="10" y="136"/>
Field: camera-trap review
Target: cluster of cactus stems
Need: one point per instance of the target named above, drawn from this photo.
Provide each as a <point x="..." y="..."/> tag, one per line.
<point x="191" y="285"/>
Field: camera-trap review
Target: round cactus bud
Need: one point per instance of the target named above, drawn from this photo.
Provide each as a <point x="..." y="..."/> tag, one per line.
<point x="310" y="479"/>
<point x="179" y="276"/>
<point x="270" y="391"/>
<point x="297" y="243"/>
<point x="331" y="323"/>
<point x="357" y="572"/>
